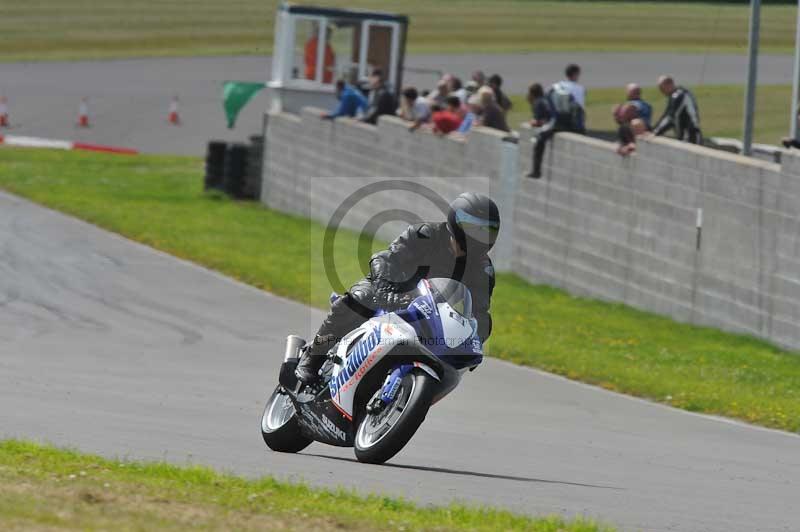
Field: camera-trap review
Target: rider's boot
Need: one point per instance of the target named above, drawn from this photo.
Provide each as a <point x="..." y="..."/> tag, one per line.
<point x="347" y="313"/>
<point x="312" y="360"/>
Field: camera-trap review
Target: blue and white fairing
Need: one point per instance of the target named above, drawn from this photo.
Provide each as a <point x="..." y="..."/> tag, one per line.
<point x="431" y="324"/>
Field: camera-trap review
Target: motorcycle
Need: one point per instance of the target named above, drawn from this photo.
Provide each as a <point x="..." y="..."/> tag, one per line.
<point x="379" y="381"/>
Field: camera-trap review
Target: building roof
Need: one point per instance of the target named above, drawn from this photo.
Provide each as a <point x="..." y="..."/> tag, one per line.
<point x="334" y="12"/>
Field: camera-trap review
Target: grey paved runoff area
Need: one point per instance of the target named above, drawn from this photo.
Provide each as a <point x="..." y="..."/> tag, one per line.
<point x="129" y="99"/>
<point x="116" y="349"/>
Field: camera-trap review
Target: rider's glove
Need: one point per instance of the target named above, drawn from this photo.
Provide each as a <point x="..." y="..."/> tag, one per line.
<point x="391" y="300"/>
<point x="385" y="286"/>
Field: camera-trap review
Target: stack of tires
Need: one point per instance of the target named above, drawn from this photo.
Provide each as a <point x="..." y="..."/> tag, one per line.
<point x="235" y="168"/>
<point x="215" y="165"/>
<point x="252" y="184"/>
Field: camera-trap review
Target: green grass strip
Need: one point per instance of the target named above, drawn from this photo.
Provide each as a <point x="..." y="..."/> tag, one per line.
<point x="43" y="487"/>
<point x="79" y="29"/>
<point x="158" y="200"/>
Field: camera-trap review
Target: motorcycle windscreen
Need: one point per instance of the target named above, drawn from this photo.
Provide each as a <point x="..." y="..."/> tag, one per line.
<point x="457" y="329"/>
<point x="454" y="293"/>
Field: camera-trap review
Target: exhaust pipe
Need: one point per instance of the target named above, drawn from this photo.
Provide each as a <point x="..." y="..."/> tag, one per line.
<point x="294" y="344"/>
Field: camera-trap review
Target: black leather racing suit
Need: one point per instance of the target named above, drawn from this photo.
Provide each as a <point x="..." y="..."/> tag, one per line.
<point x="682" y="114"/>
<point x="421" y="251"/>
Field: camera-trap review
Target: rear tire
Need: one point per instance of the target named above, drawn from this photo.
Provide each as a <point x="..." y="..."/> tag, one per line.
<point x="375" y="447"/>
<point x="279" y="426"/>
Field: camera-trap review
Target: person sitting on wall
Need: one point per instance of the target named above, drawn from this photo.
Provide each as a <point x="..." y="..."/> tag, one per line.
<point x="448" y="119"/>
<point x="644" y="111"/>
<point x="540" y="107"/>
<point x="328" y="60"/>
<point x="351" y="101"/>
<point x="380" y="100"/>
<point x="566" y="114"/>
<point x="414" y="108"/>
<point x="681" y="113"/>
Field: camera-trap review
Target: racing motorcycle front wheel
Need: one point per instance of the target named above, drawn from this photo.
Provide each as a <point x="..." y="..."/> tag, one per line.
<point x="382" y="434"/>
<point x="279" y="426"/>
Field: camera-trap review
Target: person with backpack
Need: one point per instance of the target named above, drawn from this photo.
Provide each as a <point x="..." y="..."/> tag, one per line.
<point x="565" y="101"/>
<point x="569" y="98"/>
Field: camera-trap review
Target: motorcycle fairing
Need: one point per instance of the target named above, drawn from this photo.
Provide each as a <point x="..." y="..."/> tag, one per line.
<point x="323" y="422"/>
<point x="371" y="342"/>
<point x="432" y="329"/>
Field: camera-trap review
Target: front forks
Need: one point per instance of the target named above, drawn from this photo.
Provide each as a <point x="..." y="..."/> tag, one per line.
<point x="389" y="390"/>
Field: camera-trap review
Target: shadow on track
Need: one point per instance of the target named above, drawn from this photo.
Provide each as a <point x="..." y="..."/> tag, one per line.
<point x="469" y="473"/>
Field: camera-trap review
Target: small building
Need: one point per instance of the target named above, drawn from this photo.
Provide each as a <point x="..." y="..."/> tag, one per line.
<point x="356" y="43"/>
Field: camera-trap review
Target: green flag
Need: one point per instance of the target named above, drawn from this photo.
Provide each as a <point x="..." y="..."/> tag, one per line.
<point x="235" y="95"/>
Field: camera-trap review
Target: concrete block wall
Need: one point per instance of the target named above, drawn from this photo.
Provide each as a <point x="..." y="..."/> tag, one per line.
<point x="596" y="224"/>
<point x="313" y="166"/>
<point x="624" y="229"/>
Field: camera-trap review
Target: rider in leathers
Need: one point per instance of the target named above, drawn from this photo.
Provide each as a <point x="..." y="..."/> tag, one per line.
<point x="456" y="249"/>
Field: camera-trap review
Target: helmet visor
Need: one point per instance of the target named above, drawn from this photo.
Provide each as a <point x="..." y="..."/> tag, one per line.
<point x="478" y="229"/>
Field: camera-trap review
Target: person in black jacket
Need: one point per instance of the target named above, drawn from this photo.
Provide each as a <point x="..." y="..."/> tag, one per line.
<point x="495" y="82"/>
<point x="681" y="112"/>
<point x="380" y="100"/>
<point x="455" y="249"/>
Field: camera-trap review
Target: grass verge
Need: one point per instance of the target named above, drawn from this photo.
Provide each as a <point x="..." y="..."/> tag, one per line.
<point x="48" y="488"/>
<point x="77" y="29"/>
<point x="721" y="109"/>
<point x="157" y="200"/>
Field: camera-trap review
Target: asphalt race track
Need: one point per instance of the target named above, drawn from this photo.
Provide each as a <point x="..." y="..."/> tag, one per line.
<point x="117" y="349"/>
<point x="129" y="99"/>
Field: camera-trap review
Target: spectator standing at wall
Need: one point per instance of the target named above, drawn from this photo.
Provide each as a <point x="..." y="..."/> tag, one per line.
<point x="351" y="101"/>
<point x="623" y="115"/>
<point x="449" y="119"/>
<point x="644" y="111"/>
<point x="495" y="83"/>
<point x="629" y="134"/>
<point x="472" y="116"/>
<point x="571" y="86"/>
<point x="458" y="90"/>
<point x="491" y="114"/>
<point x="380" y="100"/>
<point x="414" y="108"/>
<point x="681" y="113"/>
<point x="471" y="88"/>
<point x="439" y="96"/>
<point x="479" y="78"/>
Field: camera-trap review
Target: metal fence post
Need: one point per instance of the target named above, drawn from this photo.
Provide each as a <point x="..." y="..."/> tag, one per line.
<point x="752" y="74"/>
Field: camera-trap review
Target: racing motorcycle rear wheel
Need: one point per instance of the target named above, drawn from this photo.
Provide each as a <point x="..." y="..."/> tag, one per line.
<point x="279" y="426"/>
<point x="382" y="435"/>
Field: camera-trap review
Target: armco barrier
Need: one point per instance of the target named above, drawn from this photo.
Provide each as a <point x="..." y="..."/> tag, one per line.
<point x="596" y="224"/>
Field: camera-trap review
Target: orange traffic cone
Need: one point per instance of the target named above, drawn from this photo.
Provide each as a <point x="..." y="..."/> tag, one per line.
<point x="83" y="113"/>
<point x="4" y="112"/>
<point x="174" y="118"/>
